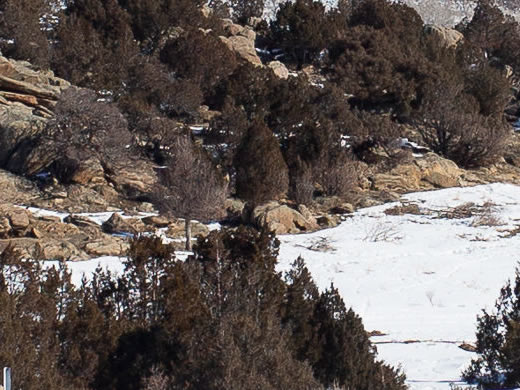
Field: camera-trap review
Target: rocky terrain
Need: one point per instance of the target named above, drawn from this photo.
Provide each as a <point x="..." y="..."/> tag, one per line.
<point x="27" y="98"/>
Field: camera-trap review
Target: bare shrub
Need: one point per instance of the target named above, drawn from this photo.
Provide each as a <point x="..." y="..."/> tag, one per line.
<point x="190" y="186"/>
<point x="84" y="127"/>
<point x="337" y="174"/>
<point x="487" y="217"/>
<point x="301" y="184"/>
<point x="381" y="231"/>
<point x="321" y="244"/>
<point x="157" y="380"/>
<point x="449" y="125"/>
<point x="466" y="210"/>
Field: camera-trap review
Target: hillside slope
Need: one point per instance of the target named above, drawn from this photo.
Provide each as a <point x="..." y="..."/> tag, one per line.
<point x="420" y="279"/>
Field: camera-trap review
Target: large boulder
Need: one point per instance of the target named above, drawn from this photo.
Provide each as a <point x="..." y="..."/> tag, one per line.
<point x="438" y="171"/>
<point x="424" y="173"/>
<point x="283" y="219"/>
<point x="279" y="69"/>
<point x="107" y="246"/>
<point x="243" y="47"/>
<point x="90" y="173"/>
<point x="241" y="40"/>
<point x="44" y="249"/>
<point x="449" y="36"/>
<point x="16" y="189"/>
<point x="15" y="220"/>
<point x="134" y="179"/>
<point x="119" y="225"/>
<point x="27" y="98"/>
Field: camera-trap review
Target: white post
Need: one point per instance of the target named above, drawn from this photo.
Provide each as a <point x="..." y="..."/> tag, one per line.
<point x="7" y="378"/>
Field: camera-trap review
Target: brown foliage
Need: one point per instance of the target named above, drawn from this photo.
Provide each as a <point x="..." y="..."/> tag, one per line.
<point x="84" y="128"/>
<point x="94" y="43"/>
<point x="224" y="318"/>
<point x="449" y="126"/>
<point x="199" y="57"/>
<point x="20" y="22"/>
<point x="190" y="186"/>
<point x="261" y="170"/>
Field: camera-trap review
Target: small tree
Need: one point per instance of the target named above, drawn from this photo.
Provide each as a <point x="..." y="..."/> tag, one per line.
<point x="262" y="173"/>
<point x="22" y="29"/>
<point x="498" y="342"/>
<point x="300" y="28"/>
<point x="189" y="186"/>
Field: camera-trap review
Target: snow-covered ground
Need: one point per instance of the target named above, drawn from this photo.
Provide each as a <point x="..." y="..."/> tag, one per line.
<point x="419" y="279"/>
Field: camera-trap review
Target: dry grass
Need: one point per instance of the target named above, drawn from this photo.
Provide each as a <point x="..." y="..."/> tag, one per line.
<point x="321" y="244"/>
<point x="487" y="216"/>
<point x="404" y="208"/>
<point x="381" y="231"/>
<point x="483" y="215"/>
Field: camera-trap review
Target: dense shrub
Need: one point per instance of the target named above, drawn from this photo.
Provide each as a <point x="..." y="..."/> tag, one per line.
<point x="200" y="58"/>
<point x="490" y="88"/>
<point x="23" y="35"/>
<point x="93" y="44"/>
<point x="377" y="69"/>
<point x="495" y="34"/>
<point x="149" y="20"/>
<point x="244" y="10"/>
<point x="498" y="342"/>
<point x="224" y="318"/>
<point x="84" y="128"/>
<point x="301" y="29"/>
<point x="150" y="91"/>
<point x="261" y="170"/>
<point x="450" y="126"/>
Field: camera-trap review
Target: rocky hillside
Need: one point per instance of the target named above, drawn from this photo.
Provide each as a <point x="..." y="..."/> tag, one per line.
<point x="28" y="100"/>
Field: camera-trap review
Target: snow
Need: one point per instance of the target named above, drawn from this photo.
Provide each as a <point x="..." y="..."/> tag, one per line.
<point x="419" y="279"/>
<point x="79" y="269"/>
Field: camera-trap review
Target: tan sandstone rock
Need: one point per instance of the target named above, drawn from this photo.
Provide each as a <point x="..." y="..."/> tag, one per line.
<point x="279" y="69"/>
<point x="282" y="219"/>
<point x="449" y="36"/>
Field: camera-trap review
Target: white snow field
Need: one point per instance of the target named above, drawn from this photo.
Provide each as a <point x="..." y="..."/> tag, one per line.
<point x="419" y="279"/>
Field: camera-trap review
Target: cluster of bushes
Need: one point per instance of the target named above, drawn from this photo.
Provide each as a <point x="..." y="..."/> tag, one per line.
<point x="164" y="59"/>
<point x="222" y="319"/>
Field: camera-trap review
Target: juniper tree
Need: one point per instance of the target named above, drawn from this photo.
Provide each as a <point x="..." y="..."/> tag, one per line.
<point x="498" y="342"/>
<point x="261" y="170"/>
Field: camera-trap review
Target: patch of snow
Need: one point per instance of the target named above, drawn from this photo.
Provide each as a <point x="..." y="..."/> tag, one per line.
<point x="428" y="285"/>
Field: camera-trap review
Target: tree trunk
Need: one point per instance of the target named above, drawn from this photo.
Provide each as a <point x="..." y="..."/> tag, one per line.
<point x="187" y="229"/>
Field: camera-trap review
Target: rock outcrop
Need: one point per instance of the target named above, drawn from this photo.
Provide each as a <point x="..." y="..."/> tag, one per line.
<point x="428" y="172"/>
<point x="119" y="225"/>
<point x="279" y="69"/>
<point x="241" y="40"/>
<point x="283" y="219"/>
<point x="27" y="98"/>
<point x="48" y="238"/>
<point x="449" y="36"/>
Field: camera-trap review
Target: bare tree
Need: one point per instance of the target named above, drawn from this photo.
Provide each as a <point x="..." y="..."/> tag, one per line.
<point x="190" y="186"/>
